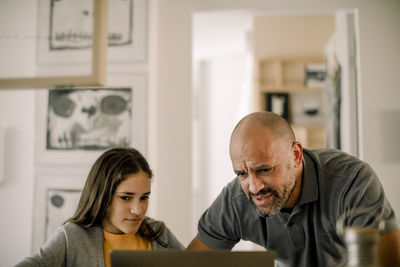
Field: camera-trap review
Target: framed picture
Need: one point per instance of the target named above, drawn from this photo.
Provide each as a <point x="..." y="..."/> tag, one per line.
<point x="56" y="199"/>
<point x="75" y="125"/>
<point x="308" y="108"/>
<point x="315" y="75"/>
<point x="88" y="118"/>
<point x="66" y="37"/>
<point x="278" y="103"/>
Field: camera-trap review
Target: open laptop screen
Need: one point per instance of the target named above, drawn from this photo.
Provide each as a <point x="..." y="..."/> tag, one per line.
<point x="162" y="258"/>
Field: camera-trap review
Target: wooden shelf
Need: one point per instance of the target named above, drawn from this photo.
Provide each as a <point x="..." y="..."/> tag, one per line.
<point x="311" y="136"/>
<point x="289" y="88"/>
<point x="283" y="81"/>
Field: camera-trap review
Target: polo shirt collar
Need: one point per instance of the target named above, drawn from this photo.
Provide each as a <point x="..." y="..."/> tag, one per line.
<point x="309" y="188"/>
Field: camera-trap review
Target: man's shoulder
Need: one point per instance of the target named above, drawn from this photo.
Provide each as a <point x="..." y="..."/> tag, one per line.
<point x="334" y="161"/>
<point x="331" y="154"/>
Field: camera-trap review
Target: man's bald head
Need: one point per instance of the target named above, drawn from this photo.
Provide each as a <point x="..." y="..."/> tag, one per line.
<point x="279" y="127"/>
<point x="267" y="161"/>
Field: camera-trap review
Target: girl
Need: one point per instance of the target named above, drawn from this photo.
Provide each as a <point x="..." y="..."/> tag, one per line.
<point x="110" y="215"/>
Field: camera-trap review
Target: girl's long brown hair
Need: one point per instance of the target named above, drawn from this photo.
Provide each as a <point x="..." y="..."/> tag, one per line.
<point x="109" y="170"/>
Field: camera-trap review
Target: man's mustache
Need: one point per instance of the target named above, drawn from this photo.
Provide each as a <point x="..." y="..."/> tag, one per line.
<point x="264" y="192"/>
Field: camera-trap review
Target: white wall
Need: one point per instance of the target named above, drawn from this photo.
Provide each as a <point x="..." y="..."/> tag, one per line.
<point x="17" y="116"/>
<point x="221" y="96"/>
<point x="380" y="91"/>
<point x="218" y="112"/>
<point x="16" y="191"/>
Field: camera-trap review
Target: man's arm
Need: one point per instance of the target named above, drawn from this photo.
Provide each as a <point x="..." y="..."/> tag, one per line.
<point x="389" y="249"/>
<point x="196" y="244"/>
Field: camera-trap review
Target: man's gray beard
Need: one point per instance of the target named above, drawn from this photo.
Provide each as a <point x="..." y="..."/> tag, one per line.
<point x="278" y="202"/>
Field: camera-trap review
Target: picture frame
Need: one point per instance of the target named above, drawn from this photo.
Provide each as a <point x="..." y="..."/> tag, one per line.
<point x="315" y="75"/>
<point x="55" y="200"/>
<point x="46" y="155"/>
<point x="66" y="38"/>
<point x="92" y="74"/>
<point x="278" y="103"/>
<point x="308" y="108"/>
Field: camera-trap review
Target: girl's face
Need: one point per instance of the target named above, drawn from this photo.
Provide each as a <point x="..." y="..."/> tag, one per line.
<point x="128" y="205"/>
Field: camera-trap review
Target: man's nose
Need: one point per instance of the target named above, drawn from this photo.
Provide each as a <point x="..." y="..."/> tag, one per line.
<point x="255" y="184"/>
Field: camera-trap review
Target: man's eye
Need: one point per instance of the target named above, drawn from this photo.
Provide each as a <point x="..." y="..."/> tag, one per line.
<point x="265" y="171"/>
<point x="241" y="174"/>
<point x="145" y="198"/>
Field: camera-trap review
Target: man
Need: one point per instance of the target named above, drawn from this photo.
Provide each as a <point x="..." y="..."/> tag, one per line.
<point x="291" y="202"/>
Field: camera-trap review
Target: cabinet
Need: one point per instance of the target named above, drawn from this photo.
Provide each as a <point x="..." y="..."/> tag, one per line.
<point x="293" y="88"/>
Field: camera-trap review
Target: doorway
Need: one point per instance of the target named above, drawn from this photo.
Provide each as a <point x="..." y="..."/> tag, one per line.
<point x="227" y="51"/>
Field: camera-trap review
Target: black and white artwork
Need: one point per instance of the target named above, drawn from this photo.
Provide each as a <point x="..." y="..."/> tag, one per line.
<point x="66" y="31"/>
<point x="56" y="199"/>
<point x="89" y="119"/>
<point x="315" y="75"/>
<point x="71" y="24"/>
<point x="73" y="126"/>
<point x="60" y="206"/>
<point x="308" y="108"/>
<point x="278" y="103"/>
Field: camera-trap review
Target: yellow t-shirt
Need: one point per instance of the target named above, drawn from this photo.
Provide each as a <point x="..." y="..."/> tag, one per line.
<point x="123" y="241"/>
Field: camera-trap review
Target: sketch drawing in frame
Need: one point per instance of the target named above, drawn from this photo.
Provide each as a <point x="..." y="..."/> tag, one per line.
<point x="66" y="37"/>
<point x="88" y="119"/>
<point x="315" y="75"/>
<point x="74" y="126"/>
<point x="308" y="108"/>
<point x="60" y="205"/>
<point x="56" y="199"/>
<point x="278" y="103"/>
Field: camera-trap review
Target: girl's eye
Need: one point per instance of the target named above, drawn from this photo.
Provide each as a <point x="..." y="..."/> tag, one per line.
<point x="144" y="198"/>
<point x="125" y="197"/>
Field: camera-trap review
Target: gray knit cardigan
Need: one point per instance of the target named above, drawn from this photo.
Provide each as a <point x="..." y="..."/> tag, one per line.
<point x="73" y="245"/>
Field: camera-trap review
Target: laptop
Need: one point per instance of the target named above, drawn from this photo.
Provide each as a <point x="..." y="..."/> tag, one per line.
<point x="215" y="258"/>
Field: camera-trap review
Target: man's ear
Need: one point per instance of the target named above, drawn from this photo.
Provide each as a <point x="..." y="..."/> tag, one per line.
<point x="297" y="150"/>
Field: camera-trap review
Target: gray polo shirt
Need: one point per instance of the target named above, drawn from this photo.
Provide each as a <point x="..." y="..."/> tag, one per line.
<point x="333" y="183"/>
